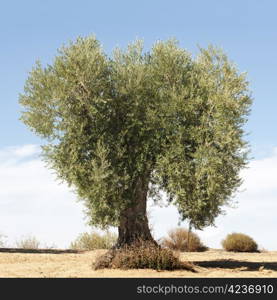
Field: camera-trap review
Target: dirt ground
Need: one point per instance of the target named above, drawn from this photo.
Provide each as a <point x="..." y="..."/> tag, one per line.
<point x="212" y="263"/>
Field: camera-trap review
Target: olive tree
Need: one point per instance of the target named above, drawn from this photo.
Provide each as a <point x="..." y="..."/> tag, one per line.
<point x="121" y="128"/>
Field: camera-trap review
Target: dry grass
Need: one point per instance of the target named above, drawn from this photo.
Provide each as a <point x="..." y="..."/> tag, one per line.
<point x="180" y="239"/>
<point x="28" y="242"/>
<point x="239" y="242"/>
<point x="212" y="263"/>
<point x="94" y="240"/>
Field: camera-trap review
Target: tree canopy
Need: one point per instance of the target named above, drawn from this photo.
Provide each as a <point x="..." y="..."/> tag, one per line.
<point x="159" y="120"/>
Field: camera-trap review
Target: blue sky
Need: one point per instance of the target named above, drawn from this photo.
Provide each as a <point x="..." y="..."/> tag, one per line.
<point x="245" y="29"/>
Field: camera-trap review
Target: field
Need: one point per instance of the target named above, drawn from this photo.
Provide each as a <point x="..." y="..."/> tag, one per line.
<point x="212" y="263"/>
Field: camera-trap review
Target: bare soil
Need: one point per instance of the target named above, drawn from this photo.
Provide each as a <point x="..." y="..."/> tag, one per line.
<point x="212" y="263"/>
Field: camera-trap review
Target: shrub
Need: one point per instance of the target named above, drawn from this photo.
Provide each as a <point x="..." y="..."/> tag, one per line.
<point x="93" y="240"/>
<point x="180" y="239"/>
<point x="29" y="242"/>
<point x="239" y="242"/>
<point x="142" y="256"/>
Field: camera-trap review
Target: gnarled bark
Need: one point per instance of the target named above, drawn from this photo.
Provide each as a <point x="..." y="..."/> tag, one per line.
<point x="133" y="225"/>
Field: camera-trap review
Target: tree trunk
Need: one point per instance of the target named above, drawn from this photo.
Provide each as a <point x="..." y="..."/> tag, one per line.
<point x="133" y="225"/>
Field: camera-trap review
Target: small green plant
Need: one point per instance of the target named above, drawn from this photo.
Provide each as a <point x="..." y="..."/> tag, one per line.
<point x="239" y="242"/>
<point x="94" y="240"/>
<point x="180" y="239"/>
<point x="144" y="255"/>
<point x="28" y="242"/>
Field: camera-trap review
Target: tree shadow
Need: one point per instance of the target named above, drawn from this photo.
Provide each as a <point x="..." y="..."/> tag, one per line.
<point x="236" y="264"/>
<point x="39" y="251"/>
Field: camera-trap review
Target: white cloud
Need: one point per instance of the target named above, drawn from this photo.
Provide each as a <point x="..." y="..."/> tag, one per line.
<point x="254" y="214"/>
<point x="13" y="154"/>
<point x="33" y="202"/>
<point x="261" y="176"/>
<point x="25" y="151"/>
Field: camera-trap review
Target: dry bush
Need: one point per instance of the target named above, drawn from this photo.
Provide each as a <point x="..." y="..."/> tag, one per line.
<point x="142" y="256"/>
<point x="94" y="240"/>
<point x="29" y="242"/>
<point x="239" y="242"/>
<point x="104" y="261"/>
<point x="180" y="239"/>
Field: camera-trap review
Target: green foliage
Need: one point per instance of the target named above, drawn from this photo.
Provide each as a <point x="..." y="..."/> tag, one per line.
<point x="94" y="240"/>
<point x="142" y="256"/>
<point x="162" y="116"/>
<point x="181" y="239"/>
<point x="28" y="242"/>
<point x="239" y="242"/>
